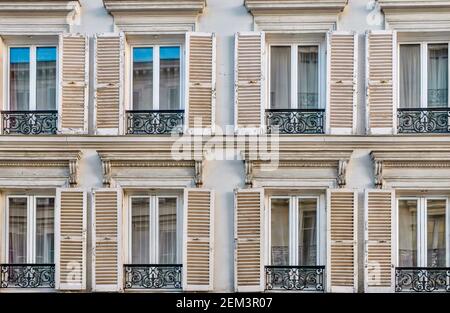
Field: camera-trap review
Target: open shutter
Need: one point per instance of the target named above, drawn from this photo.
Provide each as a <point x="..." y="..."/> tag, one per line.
<point x="342" y="67"/>
<point x="249" y="240"/>
<point x="249" y="82"/>
<point x="106" y="235"/>
<point x="71" y="217"/>
<point x="109" y="64"/>
<point x="198" y="247"/>
<point x="342" y="272"/>
<point x="379" y="241"/>
<point x="74" y="56"/>
<point x="380" y="47"/>
<point x="201" y="81"/>
<point x="3" y="58"/>
<point x="2" y="232"/>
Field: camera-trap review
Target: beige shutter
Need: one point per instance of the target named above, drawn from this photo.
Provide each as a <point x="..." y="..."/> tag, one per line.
<point x="249" y="82"/>
<point x="106" y="235"/>
<point x="3" y="63"/>
<point x="379" y="241"/>
<point x="249" y="240"/>
<point x="74" y="56"/>
<point x="109" y="64"/>
<point x="342" y="60"/>
<point x="380" y="47"/>
<point x="342" y="273"/>
<point x="201" y="78"/>
<point x="2" y="222"/>
<point x="198" y="242"/>
<point x="70" y="255"/>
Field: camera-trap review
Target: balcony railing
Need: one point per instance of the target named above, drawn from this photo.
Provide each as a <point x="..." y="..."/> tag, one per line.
<point x="29" y="122"/>
<point x="295" y="121"/>
<point x="295" y="278"/>
<point x="422" y="279"/>
<point x="423" y="120"/>
<point x="152" y="276"/>
<point x="155" y="122"/>
<point x="27" y="275"/>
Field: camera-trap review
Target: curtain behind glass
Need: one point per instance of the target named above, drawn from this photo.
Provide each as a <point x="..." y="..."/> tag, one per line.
<point x="167" y="230"/>
<point x="140" y="235"/>
<point x="436" y="242"/>
<point x="437" y="75"/>
<point x="410" y="76"/>
<point x="307" y="232"/>
<point x="17" y="238"/>
<point x="46" y="78"/>
<point x="308" y="78"/>
<point x="280" y="231"/>
<point x="19" y="85"/>
<point x="280" y="77"/>
<point x="45" y="230"/>
<point x="407" y="220"/>
<point x="142" y="78"/>
<point x="169" y="78"/>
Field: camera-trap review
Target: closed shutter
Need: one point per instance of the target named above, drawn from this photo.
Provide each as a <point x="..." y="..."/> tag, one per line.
<point x="379" y="241"/>
<point x="109" y="63"/>
<point x="249" y="240"/>
<point x="342" y="60"/>
<point x="201" y="94"/>
<point x="380" y="46"/>
<point x="74" y="56"/>
<point x="342" y="274"/>
<point x="71" y="232"/>
<point x="106" y="235"/>
<point x="198" y="245"/>
<point x="249" y="82"/>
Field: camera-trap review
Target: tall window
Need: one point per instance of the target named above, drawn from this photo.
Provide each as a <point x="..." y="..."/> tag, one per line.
<point x="156" y="78"/>
<point x="32" y="78"/>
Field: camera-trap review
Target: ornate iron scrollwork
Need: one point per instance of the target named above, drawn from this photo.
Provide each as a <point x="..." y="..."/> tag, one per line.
<point x="27" y="276"/>
<point x="29" y="122"/>
<point x="422" y="120"/>
<point x="295" y="121"/>
<point x="152" y="276"/>
<point x="422" y="279"/>
<point x="157" y="122"/>
<point x="305" y="278"/>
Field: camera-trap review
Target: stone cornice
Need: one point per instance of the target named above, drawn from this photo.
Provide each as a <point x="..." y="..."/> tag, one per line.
<point x="414" y="4"/>
<point x="256" y="6"/>
<point x="150" y="6"/>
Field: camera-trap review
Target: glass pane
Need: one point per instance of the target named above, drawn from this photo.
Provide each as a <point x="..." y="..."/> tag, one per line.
<point x="45" y="230"/>
<point x="308" y="77"/>
<point x="407" y="241"/>
<point x="19" y="86"/>
<point x="410" y="76"/>
<point x="167" y="230"/>
<point x="307" y="232"/>
<point x="280" y="231"/>
<point x="436" y="243"/>
<point x="142" y="78"/>
<point x="280" y="77"/>
<point x="437" y="75"/>
<point x="17" y="230"/>
<point x="169" y="78"/>
<point x="140" y="235"/>
<point x="46" y="78"/>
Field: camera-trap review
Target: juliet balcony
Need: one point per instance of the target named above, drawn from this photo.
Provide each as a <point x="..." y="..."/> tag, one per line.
<point x="295" y="121"/>
<point x="152" y="276"/>
<point x="154" y="122"/>
<point x="29" y="122"/>
<point x="423" y="120"/>
<point x="27" y="275"/>
<point x="295" y="278"/>
<point x="422" y="279"/>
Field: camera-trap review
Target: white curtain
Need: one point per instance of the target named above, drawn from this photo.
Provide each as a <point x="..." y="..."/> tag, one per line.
<point x="17" y="238"/>
<point x="45" y="230"/>
<point x="280" y="78"/>
<point x="280" y="232"/>
<point x="438" y="75"/>
<point x="140" y="234"/>
<point x="410" y="76"/>
<point x="167" y="230"/>
<point x="308" y="77"/>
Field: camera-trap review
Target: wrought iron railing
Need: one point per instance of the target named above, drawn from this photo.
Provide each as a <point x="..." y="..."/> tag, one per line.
<point x="29" y="122"/>
<point x="422" y="279"/>
<point x="423" y="120"/>
<point x="295" y="121"/>
<point x="295" y="278"/>
<point x="27" y="275"/>
<point x="155" y="122"/>
<point x="152" y="276"/>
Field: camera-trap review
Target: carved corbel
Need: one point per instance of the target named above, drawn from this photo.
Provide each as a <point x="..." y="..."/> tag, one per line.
<point x="198" y="176"/>
<point x="73" y="173"/>
<point x="248" y="172"/>
<point x="378" y="174"/>
<point x="106" y="164"/>
<point x="342" y="170"/>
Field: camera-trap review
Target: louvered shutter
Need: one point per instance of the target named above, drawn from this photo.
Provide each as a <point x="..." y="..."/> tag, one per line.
<point x="380" y="47"/>
<point x="74" y="56"/>
<point x="201" y="78"/>
<point x="379" y="241"/>
<point x="2" y="222"/>
<point x="342" y="60"/>
<point x="106" y="235"/>
<point x="249" y="240"/>
<point x="3" y="63"/>
<point x="71" y="234"/>
<point x="249" y="82"/>
<point x="198" y="245"/>
<point x="342" y="273"/>
<point x="109" y="63"/>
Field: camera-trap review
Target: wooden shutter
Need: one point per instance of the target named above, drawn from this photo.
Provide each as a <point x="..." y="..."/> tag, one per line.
<point x="3" y="64"/>
<point x="201" y="78"/>
<point x="74" y="56"/>
<point x="109" y="63"/>
<point x="342" y="273"/>
<point x="2" y="232"/>
<point x="198" y="247"/>
<point x="106" y="235"/>
<point x="249" y="82"/>
<point x="70" y="254"/>
<point x="379" y="241"/>
<point x="342" y="60"/>
<point x="249" y="240"/>
<point x="380" y="47"/>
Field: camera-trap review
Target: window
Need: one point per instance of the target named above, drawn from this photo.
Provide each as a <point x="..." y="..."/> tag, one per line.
<point x="156" y="78"/>
<point x="32" y="78"/>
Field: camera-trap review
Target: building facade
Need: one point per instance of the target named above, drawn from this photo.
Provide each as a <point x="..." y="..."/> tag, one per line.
<point x="248" y="146"/>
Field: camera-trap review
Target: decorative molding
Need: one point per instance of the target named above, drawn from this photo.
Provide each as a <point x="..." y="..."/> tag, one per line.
<point x="378" y="170"/>
<point x="106" y="166"/>
<point x="342" y="171"/>
<point x="248" y="173"/>
<point x="417" y="4"/>
<point x="198" y="176"/>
